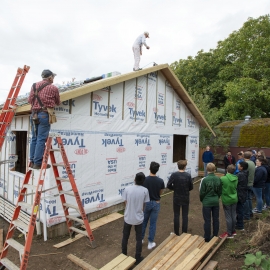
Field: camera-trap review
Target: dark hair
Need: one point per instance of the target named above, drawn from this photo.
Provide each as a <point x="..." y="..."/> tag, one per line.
<point x="247" y="155"/>
<point x="139" y="178"/>
<point x="154" y="167"/>
<point x="244" y="165"/>
<point x="264" y="161"/>
<point x="240" y="154"/>
<point x="181" y="164"/>
<point x="231" y="169"/>
<point x="260" y="158"/>
<point x="229" y="151"/>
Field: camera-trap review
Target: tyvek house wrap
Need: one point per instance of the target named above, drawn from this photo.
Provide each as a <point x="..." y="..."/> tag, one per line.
<point x="112" y="134"/>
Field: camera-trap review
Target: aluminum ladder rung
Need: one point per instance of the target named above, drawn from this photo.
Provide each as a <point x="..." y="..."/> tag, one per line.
<point x="20" y="224"/>
<point x="58" y="164"/>
<point x="71" y="206"/>
<point x="9" y="264"/>
<point x="28" y="186"/>
<point x="70" y="193"/>
<point x="62" y="179"/>
<point x="75" y="219"/>
<point x="15" y="244"/>
<point x="78" y="231"/>
<point x="25" y="205"/>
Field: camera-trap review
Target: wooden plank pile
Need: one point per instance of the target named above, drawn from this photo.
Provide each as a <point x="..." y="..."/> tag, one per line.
<point x="184" y="252"/>
<point x="121" y="262"/>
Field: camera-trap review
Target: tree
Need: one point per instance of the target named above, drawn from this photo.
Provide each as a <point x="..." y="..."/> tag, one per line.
<point x="233" y="79"/>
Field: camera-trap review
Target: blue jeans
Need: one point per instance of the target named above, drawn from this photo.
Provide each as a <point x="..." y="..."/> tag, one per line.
<point x="151" y="211"/>
<point x="40" y="133"/>
<point x="248" y="204"/>
<point x="204" y="167"/>
<point x="267" y="194"/>
<point x="259" y="200"/>
<point x="240" y="216"/>
<point x="208" y="214"/>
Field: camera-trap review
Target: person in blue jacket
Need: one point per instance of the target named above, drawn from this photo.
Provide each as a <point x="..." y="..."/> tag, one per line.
<point x="240" y="159"/>
<point x="207" y="157"/>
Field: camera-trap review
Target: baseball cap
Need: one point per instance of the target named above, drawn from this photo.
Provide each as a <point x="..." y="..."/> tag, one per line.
<point x="254" y="152"/>
<point x="47" y="73"/>
<point x="146" y="33"/>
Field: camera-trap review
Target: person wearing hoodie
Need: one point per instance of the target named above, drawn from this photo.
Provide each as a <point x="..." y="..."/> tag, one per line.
<point x="267" y="184"/>
<point x="242" y="188"/>
<point x="229" y="200"/>
<point x="260" y="179"/>
<point x="210" y="191"/>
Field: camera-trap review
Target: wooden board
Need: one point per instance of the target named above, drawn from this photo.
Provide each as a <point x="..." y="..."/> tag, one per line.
<point x="180" y="256"/>
<point x="94" y="225"/>
<point x="84" y="265"/>
<point x="156" y="251"/>
<point x="178" y="249"/>
<point x="1" y="239"/>
<point x="187" y="259"/>
<point x="201" y="254"/>
<point x="151" y="263"/>
<point x="116" y="261"/>
<point x="211" y="265"/>
<point x="126" y="264"/>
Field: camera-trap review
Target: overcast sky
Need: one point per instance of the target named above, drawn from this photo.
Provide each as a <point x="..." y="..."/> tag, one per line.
<point x="87" y="38"/>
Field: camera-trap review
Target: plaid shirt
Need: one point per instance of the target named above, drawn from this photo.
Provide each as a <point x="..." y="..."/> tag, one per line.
<point x="49" y="96"/>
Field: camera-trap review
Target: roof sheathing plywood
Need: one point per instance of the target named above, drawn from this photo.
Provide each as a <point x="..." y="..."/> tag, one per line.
<point x="164" y="68"/>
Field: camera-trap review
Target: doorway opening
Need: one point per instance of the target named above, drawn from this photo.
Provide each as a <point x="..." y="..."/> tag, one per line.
<point x="21" y="143"/>
<point x="179" y="147"/>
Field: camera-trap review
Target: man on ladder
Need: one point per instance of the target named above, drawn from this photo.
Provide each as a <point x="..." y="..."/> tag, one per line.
<point x="43" y="98"/>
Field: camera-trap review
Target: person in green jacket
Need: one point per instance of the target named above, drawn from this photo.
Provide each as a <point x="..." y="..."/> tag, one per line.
<point x="229" y="200"/>
<point x="210" y="191"/>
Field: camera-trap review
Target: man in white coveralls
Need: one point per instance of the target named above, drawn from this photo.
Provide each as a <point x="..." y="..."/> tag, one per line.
<point x="137" y="49"/>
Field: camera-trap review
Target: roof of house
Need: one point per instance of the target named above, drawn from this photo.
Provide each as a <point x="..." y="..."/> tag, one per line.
<point x="97" y="85"/>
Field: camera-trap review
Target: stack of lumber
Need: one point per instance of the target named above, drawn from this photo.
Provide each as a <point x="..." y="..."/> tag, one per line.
<point x="121" y="262"/>
<point x="184" y="252"/>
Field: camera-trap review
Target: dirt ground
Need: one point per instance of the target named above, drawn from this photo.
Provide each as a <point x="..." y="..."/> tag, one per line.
<point x="108" y="239"/>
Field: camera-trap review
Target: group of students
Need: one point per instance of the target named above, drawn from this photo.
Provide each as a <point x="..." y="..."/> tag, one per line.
<point x="143" y="204"/>
<point x="236" y="190"/>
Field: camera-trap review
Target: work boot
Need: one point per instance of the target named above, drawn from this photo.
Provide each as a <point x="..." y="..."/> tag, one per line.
<point x="38" y="166"/>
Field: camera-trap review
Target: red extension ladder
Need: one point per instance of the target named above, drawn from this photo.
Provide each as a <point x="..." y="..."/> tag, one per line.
<point x="9" y="108"/>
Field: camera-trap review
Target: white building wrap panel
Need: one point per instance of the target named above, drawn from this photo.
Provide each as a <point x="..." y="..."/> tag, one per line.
<point x="110" y="135"/>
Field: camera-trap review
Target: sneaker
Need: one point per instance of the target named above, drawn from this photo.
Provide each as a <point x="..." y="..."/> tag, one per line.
<point x="224" y="235"/>
<point x="142" y="241"/>
<point x="264" y="207"/>
<point x="151" y="245"/>
<point x="38" y="166"/>
<point x="238" y="229"/>
<point x="139" y="260"/>
<point x="234" y="233"/>
<point x="256" y="212"/>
